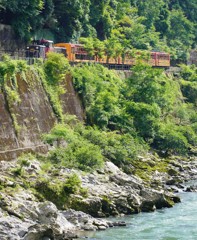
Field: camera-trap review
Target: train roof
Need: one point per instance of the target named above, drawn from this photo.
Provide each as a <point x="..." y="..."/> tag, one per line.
<point x="73" y="44"/>
<point x="36" y="45"/>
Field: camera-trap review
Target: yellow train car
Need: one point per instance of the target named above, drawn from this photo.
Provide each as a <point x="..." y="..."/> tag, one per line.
<point x="76" y="52"/>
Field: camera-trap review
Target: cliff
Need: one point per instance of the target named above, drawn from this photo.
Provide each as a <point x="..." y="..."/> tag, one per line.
<point x="23" y="122"/>
<point x="9" y="42"/>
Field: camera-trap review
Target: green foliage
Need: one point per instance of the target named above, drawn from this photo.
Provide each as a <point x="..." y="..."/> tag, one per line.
<point x="189" y="83"/>
<point x="149" y="98"/>
<point x="79" y="152"/>
<point x="93" y="46"/>
<point x="118" y="148"/>
<point x="85" y="148"/>
<point x="150" y="10"/>
<point x="159" y="25"/>
<point x="82" y="155"/>
<point x="171" y="140"/>
<point x="142" y="106"/>
<point x="57" y="191"/>
<point x="100" y="91"/>
<point x="145" y="118"/>
<point x="52" y="191"/>
<point x="72" y="184"/>
<point x="55" y="68"/>
<point x="22" y="15"/>
<point x="72" y="19"/>
<point x="189" y="90"/>
<point x="18" y="171"/>
<point x="9" y="70"/>
<point x="25" y="158"/>
<point x="180" y="34"/>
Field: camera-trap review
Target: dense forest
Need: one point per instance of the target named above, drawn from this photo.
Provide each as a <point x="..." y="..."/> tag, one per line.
<point x="159" y="25"/>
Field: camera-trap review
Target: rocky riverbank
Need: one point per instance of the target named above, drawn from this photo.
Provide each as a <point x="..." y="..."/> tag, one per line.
<point x="33" y="204"/>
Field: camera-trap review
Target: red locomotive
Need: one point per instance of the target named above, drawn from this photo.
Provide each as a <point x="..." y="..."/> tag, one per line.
<point x="40" y="48"/>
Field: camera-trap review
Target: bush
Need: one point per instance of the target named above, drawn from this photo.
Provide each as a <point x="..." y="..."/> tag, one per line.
<point x="72" y="184"/>
<point x="79" y="152"/>
<point x="171" y="140"/>
<point x="87" y="147"/>
<point x="116" y="147"/>
<point x="188" y="72"/>
<point x="99" y="89"/>
<point x="55" y="67"/>
<point x="58" y="192"/>
<point x="189" y="90"/>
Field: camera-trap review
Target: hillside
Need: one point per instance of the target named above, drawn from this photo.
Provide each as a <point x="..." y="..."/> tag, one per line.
<point x="159" y="25"/>
<point x="112" y="145"/>
<point x="83" y="139"/>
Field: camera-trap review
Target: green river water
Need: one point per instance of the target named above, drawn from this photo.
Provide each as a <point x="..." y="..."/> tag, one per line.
<point x="177" y="223"/>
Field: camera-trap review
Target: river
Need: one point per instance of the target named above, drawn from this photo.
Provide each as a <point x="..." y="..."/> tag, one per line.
<point x="177" y="223"/>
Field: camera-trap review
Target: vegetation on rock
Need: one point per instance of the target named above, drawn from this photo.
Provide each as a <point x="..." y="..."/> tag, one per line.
<point x="149" y="105"/>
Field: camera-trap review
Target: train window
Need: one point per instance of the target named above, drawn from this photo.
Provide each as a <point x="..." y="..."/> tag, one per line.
<point x="83" y="57"/>
<point x="80" y="50"/>
<point x="50" y="44"/>
<point x="72" y="50"/>
<point x="163" y="57"/>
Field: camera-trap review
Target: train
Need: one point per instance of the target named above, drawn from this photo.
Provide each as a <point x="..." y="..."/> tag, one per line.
<point x="40" y="48"/>
<point x="76" y="53"/>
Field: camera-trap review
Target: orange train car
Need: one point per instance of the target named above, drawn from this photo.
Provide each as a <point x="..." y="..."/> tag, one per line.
<point x="76" y="53"/>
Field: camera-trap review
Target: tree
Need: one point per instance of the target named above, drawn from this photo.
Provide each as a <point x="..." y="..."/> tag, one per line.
<point x="93" y="46"/>
<point x="150" y="10"/>
<point x="103" y="17"/>
<point x="180" y="34"/>
<point x="149" y="98"/>
<point x="22" y="15"/>
<point x="189" y="7"/>
<point x="73" y="19"/>
<point x="113" y="48"/>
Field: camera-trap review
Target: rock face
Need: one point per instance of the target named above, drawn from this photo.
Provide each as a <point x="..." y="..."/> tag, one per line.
<point x="70" y="100"/>
<point x="8" y="40"/>
<point x="193" y="57"/>
<point x="114" y="193"/>
<point x="25" y="215"/>
<point x="22" y="217"/>
<point x="34" y="116"/>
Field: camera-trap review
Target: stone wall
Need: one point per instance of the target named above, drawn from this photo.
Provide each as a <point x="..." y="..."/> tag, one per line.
<point x="193" y="57"/>
<point x="34" y="116"/>
<point x="9" y="42"/>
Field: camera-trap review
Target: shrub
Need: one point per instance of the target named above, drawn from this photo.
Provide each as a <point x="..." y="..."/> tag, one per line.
<point x="55" y="67"/>
<point x="79" y="152"/>
<point x="189" y="90"/>
<point x="72" y="184"/>
<point x="58" y="192"/>
<point x="99" y="89"/>
<point x="52" y="191"/>
<point x="171" y="140"/>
